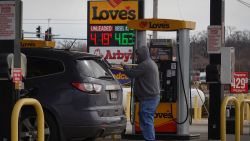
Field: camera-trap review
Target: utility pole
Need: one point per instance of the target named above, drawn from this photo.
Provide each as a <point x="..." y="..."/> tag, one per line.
<point x="216" y="93"/>
<point x="10" y="36"/>
<point x="155" y="15"/>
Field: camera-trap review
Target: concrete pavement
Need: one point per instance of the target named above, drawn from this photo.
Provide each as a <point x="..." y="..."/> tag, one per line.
<point x="198" y="127"/>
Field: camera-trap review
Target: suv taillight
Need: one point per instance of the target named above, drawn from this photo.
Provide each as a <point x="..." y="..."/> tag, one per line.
<point x="88" y="87"/>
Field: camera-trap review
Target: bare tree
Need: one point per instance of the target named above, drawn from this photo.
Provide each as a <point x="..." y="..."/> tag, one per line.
<point x="73" y="45"/>
<point x="240" y="40"/>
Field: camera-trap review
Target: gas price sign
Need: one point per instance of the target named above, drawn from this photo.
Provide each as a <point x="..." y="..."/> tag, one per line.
<point x="114" y="42"/>
<point x="108" y="34"/>
<point x="111" y="35"/>
<point x="240" y="82"/>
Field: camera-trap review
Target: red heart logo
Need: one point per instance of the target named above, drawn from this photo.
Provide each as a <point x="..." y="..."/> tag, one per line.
<point x="114" y="3"/>
<point x="143" y="24"/>
<point x="127" y="8"/>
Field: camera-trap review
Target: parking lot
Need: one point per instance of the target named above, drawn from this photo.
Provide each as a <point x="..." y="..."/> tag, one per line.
<point x="199" y="127"/>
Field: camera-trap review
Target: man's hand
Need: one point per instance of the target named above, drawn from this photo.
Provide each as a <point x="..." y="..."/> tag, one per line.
<point x="122" y="64"/>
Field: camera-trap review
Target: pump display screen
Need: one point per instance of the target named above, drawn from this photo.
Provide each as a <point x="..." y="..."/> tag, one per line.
<point x="111" y="35"/>
<point x="161" y="53"/>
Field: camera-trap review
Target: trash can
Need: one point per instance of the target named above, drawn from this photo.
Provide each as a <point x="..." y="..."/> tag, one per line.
<point x="230" y="119"/>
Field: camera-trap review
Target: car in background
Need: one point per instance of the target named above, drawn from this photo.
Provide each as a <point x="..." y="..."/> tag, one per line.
<point x="80" y="97"/>
<point x="202" y="77"/>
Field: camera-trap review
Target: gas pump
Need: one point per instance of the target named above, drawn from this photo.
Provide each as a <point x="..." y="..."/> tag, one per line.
<point x="171" y="117"/>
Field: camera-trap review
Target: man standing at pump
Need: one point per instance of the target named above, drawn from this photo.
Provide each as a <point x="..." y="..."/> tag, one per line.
<point x="146" y="89"/>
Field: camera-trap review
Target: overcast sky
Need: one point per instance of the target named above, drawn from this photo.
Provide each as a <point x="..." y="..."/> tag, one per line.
<point x="68" y="18"/>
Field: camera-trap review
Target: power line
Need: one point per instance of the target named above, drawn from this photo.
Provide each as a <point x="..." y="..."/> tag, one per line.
<point x="244" y="3"/>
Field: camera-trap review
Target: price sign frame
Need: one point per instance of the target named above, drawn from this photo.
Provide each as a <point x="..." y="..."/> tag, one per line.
<point x="110" y="35"/>
<point x="240" y="83"/>
<point x="107" y="31"/>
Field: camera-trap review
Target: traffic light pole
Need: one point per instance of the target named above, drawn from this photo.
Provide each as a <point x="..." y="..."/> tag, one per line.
<point x="17" y="45"/>
<point x="216" y="90"/>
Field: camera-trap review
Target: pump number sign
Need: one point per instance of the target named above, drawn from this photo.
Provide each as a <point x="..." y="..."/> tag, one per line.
<point x="240" y="83"/>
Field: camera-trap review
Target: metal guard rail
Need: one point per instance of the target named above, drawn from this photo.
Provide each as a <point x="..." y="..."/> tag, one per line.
<point x="223" y="118"/>
<point x="15" y="114"/>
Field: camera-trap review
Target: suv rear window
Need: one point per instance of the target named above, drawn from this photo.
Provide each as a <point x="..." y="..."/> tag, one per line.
<point x="43" y="66"/>
<point x="93" y="68"/>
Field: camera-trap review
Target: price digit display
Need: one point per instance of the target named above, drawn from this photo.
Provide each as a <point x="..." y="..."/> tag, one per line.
<point x="115" y="35"/>
<point x="125" y="38"/>
<point x="106" y="38"/>
<point x="93" y="38"/>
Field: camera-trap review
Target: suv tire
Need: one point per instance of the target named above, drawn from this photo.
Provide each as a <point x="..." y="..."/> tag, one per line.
<point x="28" y="127"/>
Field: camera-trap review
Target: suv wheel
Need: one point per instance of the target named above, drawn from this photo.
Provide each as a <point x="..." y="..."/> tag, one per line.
<point x="29" y="127"/>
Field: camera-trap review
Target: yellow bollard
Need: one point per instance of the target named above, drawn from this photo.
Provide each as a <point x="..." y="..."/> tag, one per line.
<point x="248" y="110"/>
<point x="241" y="98"/>
<point x="128" y="105"/>
<point x="115" y="136"/>
<point x="199" y="113"/>
<point x="223" y="118"/>
<point x="195" y="107"/>
<point x="15" y="114"/>
<point x="242" y="105"/>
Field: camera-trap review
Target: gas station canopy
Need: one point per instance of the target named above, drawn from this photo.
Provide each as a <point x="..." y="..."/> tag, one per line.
<point x="160" y="24"/>
<point x="37" y="44"/>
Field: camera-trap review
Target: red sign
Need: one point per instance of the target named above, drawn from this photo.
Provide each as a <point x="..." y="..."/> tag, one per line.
<point x="240" y="82"/>
<point x="17" y="75"/>
<point x="114" y="55"/>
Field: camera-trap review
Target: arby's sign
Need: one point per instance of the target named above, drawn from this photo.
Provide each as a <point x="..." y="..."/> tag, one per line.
<point x="114" y="55"/>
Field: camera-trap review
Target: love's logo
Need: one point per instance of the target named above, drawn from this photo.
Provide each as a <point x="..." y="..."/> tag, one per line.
<point x="143" y="24"/>
<point x="114" y="3"/>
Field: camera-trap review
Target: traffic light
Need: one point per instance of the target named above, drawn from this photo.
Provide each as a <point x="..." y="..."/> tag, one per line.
<point x="38" y="32"/>
<point x="49" y="34"/>
<point x="46" y="37"/>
